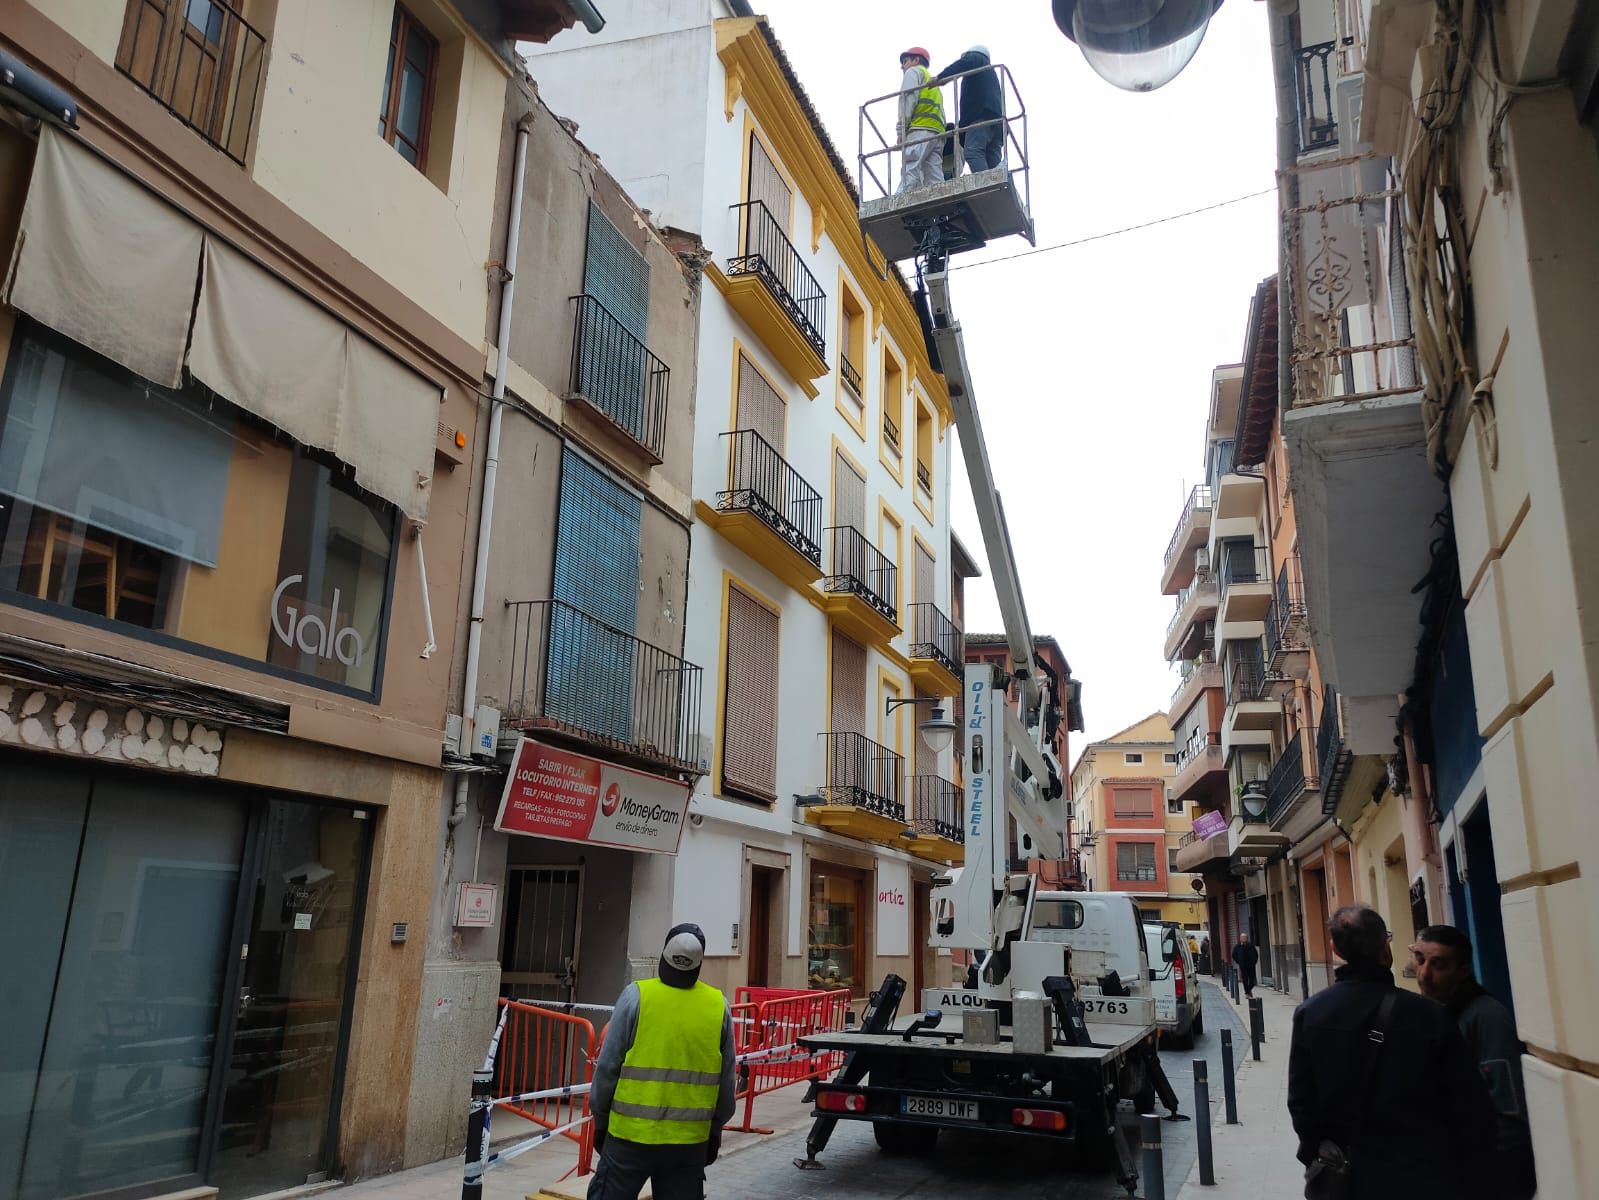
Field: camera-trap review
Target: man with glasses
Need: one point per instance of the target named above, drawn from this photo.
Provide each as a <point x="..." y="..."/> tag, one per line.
<point x="1380" y="1084"/>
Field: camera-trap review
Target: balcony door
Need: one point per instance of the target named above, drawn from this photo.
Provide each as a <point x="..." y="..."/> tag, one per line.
<point x="767" y="185"/>
<point x="761" y="407"/>
<point x="590" y="683"/>
<point x="611" y="345"/>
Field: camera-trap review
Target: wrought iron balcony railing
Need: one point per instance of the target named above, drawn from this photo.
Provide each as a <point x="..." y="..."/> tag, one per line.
<point x="761" y="481"/>
<point x="618" y="375"/>
<point x="1288" y="779"/>
<point x="1332" y="752"/>
<point x="203" y="61"/>
<point x="891" y="433"/>
<point x="1198" y="742"/>
<point x="1246" y="681"/>
<point x="864" y="775"/>
<point x="576" y="675"/>
<point x="852" y="376"/>
<point x="1318" y="122"/>
<point x="938" y="808"/>
<point x="1285" y="622"/>
<point x="924" y="476"/>
<point x="1243" y="564"/>
<point x="769" y="255"/>
<point x="861" y="569"/>
<point x="1198" y="502"/>
<point x="935" y="636"/>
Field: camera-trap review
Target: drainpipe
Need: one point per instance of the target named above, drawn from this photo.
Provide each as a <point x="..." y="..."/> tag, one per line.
<point x="588" y="14"/>
<point x="491" y="464"/>
<point x="1282" y="60"/>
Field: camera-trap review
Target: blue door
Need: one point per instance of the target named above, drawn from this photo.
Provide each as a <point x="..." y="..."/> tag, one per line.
<point x="591" y="684"/>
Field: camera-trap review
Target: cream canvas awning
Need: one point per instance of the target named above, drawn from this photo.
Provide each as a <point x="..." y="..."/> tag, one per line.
<point x="115" y="268"/>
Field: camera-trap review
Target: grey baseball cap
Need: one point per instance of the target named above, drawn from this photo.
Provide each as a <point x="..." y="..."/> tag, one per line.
<point x="682" y="955"/>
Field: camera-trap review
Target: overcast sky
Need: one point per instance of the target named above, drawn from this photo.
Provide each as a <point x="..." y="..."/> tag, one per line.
<point x="1091" y="364"/>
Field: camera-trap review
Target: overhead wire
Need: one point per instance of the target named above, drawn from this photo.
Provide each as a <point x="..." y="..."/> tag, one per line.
<point x="1110" y="233"/>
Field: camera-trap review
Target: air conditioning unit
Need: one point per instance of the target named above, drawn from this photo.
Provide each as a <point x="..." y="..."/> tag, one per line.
<point x="1202" y="561"/>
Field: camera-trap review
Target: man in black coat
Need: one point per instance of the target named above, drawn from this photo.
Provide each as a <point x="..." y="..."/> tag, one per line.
<point x="1246" y="957"/>
<point x="1422" y="1130"/>
<point x="982" y="104"/>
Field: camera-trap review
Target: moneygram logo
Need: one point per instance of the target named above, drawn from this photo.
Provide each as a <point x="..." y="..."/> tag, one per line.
<point x="613" y="797"/>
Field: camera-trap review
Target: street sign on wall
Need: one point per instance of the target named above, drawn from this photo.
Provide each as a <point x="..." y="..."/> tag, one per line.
<point x="569" y="797"/>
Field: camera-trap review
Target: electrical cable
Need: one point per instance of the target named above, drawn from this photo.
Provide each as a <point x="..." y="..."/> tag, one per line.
<point x="1099" y="237"/>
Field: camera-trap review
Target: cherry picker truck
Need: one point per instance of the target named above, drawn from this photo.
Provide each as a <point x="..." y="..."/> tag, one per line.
<point x="1057" y="1027"/>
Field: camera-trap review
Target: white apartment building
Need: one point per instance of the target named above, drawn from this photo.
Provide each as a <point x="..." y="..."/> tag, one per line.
<point x="820" y="569"/>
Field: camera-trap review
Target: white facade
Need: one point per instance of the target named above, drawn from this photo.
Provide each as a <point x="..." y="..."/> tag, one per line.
<point x="686" y="158"/>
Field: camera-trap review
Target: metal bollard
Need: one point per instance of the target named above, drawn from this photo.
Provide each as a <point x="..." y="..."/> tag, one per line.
<point x="1257" y="1024"/>
<point x="1229" y="1088"/>
<point x="477" y="1135"/>
<point x="1207" y="1165"/>
<point x="1152" y="1166"/>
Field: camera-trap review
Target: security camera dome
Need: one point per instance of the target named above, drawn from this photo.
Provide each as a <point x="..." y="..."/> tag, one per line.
<point x="1137" y="45"/>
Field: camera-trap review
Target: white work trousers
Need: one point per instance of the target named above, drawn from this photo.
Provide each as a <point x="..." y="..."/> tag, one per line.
<point x="923" y="160"/>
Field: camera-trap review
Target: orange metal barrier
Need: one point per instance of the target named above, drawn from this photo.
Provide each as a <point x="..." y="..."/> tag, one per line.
<point x="782" y="1016"/>
<point x="542" y="1049"/>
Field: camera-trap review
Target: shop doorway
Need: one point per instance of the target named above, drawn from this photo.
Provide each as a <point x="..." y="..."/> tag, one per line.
<point x="170" y="1016"/>
<point x="543" y="924"/>
<point x="763" y="936"/>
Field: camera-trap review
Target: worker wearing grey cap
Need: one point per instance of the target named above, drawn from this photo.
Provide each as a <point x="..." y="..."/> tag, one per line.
<point x="663" y="1083"/>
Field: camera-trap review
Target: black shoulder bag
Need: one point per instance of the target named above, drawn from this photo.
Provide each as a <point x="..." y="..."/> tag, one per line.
<point x="1328" y="1177"/>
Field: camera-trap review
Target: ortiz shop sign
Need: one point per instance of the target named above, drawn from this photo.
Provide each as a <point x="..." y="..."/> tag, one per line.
<point x="574" y="798"/>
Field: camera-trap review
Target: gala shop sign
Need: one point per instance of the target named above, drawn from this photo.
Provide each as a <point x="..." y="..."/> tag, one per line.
<point x="570" y="797"/>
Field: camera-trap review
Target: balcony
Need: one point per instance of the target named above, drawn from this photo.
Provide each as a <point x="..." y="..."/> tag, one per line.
<point x="1287" y="638"/>
<point x="1294" y="781"/>
<point x="1201" y="776"/>
<point x="1239" y="492"/>
<point x="617" y="379"/>
<point x="1334" y="757"/>
<point x="938" y="817"/>
<point x="1202" y="855"/>
<point x="1188" y="629"/>
<point x="1192" y="532"/>
<point x="768" y="511"/>
<point x="936" y="652"/>
<point x="1201" y="673"/>
<point x="203" y="62"/>
<point x="1245" y="593"/>
<point x="580" y="680"/>
<point x="862" y="796"/>
<point x="769" y="286"/>
<point x="1318" y="119"/>
<point x="1250" y="702"/>
<point x="861" y="590"/>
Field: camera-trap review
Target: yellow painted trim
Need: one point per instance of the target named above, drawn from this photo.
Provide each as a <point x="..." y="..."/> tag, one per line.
<point x="753" y="129"/>
<point x="760" y="544"/>
<point x="895" y="466"/>
<point x="842" y="399"/>
<point x="754" y="304"/>
<point x="730" y="581"/>
<point x="762" y="86"/>
<point x="886" y="514"/>
<point x="887" y="681"/>
<point x="925" y="505"/>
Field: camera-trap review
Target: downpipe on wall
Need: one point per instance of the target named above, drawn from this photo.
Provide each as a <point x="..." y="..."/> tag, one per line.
<point x="491" y="462"/>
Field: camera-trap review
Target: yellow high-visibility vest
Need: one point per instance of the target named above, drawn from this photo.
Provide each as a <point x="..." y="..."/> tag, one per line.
<point x="666" y="1095"/>
<point x="929" y="110"/>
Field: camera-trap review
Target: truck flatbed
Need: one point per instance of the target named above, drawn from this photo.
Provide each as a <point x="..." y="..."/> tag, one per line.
<point x="1110" y="1040"/>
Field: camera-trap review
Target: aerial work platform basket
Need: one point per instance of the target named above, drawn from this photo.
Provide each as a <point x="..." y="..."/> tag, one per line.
<point x="965" y="212"/>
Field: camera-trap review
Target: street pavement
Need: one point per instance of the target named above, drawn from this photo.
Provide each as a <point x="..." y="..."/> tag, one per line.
<point x="1254" y="1162"/>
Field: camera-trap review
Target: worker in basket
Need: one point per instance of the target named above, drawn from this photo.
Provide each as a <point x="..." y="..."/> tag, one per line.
<point x="921" y="122"/>
<point x="663" y="1083"/>
<point x="982" y="110"/>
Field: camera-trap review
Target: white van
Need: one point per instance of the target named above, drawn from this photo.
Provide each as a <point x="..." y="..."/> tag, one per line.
<point x="1178" y="999"/>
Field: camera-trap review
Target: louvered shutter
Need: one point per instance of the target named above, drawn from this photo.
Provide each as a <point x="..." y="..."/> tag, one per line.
<point x="926" y="579"/>
<point x="749" y="723"/>
<point x="849" y="686"/>
<point x="760" y="406"/>
<point x="767" y="184"/>
<point x="849" y="494"/>
<point x="591" y="682"/>
<point x="611" y="364"/>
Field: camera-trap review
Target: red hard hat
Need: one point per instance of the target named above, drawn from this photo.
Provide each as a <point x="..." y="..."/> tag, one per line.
<point x="919" y="51"/>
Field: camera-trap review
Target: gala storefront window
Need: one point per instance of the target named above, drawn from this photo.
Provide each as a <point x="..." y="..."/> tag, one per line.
<point x="170" y="511"/>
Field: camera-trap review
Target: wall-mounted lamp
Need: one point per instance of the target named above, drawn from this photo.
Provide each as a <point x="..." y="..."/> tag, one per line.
<point x="938" y="731"/>
<point x="1253" y="798"/>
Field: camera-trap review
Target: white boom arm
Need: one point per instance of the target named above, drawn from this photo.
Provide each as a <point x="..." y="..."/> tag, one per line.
<point x="1010" y="768"/>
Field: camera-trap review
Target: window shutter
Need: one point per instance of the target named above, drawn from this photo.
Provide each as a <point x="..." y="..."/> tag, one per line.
<point x="616" y="275"/>
<point x="849" y="494"/>
<point x="590" y="682"/>
<point x="926" y="580"/>
<point x="849" y="686"/>
<point x="760" y="406"/>
<point x="749" y="723"/>
<point x="767" y="183"/>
